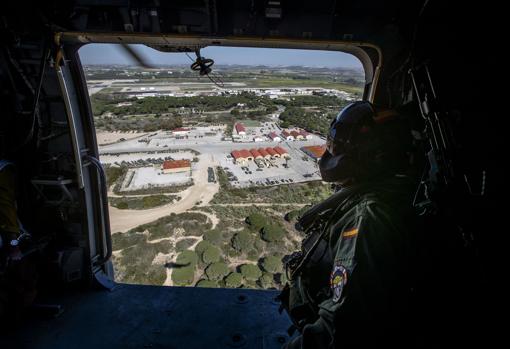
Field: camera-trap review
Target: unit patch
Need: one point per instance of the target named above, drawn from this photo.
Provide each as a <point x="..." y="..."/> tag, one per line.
<point x="337" y="281"/>
<point x="350" y="233"/>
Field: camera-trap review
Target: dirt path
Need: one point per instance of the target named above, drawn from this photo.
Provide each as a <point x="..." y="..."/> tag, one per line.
<point x="201" y="192"/>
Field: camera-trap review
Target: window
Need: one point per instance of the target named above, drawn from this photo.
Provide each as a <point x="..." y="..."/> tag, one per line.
<point x="206" y="181"/>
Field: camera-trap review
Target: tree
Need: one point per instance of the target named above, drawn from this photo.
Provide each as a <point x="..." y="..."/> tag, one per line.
<point x="211" y="255"/>
<point x="202" y="246"/>
<point x="234" y="280"/>
<point x="266" y="280"/>
<point x="272" y="264"/>
<point x="250" y="272"/>
<point x="216" y="271"/>
<point x="213" y="236"/>
<point x="207" y="283"/>
<point x="256" y="221"/>
<point x="242" y="240"/>
<point x="187" y="258"/>
<point x="272" y="233"/>
<point x="184" y="244"/>
<point x="183" y="276"/>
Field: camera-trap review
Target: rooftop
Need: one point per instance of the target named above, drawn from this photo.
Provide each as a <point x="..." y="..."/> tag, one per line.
<point x="171" y="164"/>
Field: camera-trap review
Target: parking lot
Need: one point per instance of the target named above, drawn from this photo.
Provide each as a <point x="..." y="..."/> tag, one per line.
<point x="299" y="168"/>
<point x="152" y="177"/>
<point x="150" y="151"/>
<point x="141" y="159"/>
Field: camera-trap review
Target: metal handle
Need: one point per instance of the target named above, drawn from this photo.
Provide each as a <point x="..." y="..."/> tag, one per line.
<point x="106" y="216"/>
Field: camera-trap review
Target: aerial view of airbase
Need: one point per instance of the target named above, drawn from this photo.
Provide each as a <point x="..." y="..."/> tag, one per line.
<point x="205" y="182"/>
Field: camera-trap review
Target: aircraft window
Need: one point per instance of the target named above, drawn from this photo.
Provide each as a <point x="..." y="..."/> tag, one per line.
<point x="208" y="170"/>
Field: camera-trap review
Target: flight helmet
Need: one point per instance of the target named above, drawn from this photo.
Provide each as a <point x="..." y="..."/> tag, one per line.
<point x="362" y="142"/>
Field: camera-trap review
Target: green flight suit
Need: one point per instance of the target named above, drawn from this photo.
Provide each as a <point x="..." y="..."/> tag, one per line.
<point x="8" y="213"/>
<point x="354" y="290"/>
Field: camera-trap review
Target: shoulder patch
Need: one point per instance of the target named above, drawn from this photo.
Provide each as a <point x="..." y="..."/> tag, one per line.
<point x="337" y="281"/>
<point x="350" y="233"/>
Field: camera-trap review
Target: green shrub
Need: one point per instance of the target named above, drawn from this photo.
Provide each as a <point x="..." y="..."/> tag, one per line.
<point x="256" y="221"/>
<point x="207" y="283"/>
<point x="253" y="255"/>
<point x="122" y="205"/>
<point x="156" y="200"/>
<point x="184" y="244"/>
<point x="202" y="246"/>
<point x="272" y="233"/>
<point x="259" y="245"/>
<point x="113" y="173"/>
<point x="242" y="240"/>
<point x="187" y="258"/>
<point x="216" y="271"/>
<point x="272" y="264"/>
<point x="213" y="236"/>
<point x="134" y="265"/>
<point x="124" y="240"/>
<point x="234" y="280"/>
<point x="266" y="280"/>
<point x="211" y="255"/>
<point x="183" y="276"/>
<point x="250" y="272"/>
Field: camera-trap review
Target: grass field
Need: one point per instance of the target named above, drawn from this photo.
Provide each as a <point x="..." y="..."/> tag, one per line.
<point x="250" y="123"/>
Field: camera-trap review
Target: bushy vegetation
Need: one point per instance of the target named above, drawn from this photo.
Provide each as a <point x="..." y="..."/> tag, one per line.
<point x="250" y="272"/>
<point x="184" y="244"/>
<point x="211" y="255"/>
<point x="216" y="271"/>
<point x="183" y="276"/>
<point x="213" y="236"/>
<point x="134" y="265"/>
<point x="257" y="221"/>
<point x="184" y="271"/>
<point x="242" y="240"/>
<point x="141" y="203"/>
<point x="156" y="190"/>
<point x="266" y="281"/>
<point x="145" y="123"/>
<point x="193" y="223"/>
<point x="316" y="122"/>
<point x="113" y="173"/>
<point x="272" y="233"/>
<point x="298" y="193"/>
<point x="202" y="246"/>
<point x="188" y="258"/>
<point x="234" y="280"/>
<point x="272" y="264"/>
<point x="207" y="283"/>
<point x="121" y="241"/>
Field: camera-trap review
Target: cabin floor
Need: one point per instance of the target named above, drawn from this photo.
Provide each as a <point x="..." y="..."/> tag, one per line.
<point x="134" y="316"/>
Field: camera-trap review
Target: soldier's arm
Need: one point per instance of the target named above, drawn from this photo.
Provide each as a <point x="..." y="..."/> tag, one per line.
<point x="367" y="266"/>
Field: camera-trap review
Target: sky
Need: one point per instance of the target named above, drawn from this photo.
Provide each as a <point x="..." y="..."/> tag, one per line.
<point x="113" y="54"/>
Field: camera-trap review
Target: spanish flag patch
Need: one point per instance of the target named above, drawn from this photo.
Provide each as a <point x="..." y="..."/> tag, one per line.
<point x="350" y="233"/>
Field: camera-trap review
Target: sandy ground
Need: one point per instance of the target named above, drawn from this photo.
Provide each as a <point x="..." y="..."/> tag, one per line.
<point x="200" y="193"/>
<point x="104" y="138"/>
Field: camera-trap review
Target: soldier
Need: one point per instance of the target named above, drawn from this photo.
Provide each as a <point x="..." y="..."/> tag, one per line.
<point x="350" y="285"/>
